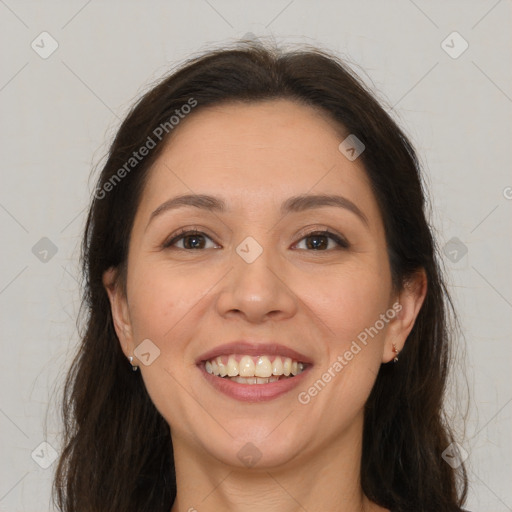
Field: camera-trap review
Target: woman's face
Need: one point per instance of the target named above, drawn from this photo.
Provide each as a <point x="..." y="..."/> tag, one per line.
<point x="255" y="282"/>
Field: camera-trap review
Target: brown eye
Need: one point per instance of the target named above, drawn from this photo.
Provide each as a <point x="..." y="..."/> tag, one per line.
<point x="192" y="240"/>
<point x="319" y="241"/>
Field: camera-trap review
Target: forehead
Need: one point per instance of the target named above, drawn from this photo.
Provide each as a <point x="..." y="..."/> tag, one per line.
<point x="256" y="152"/>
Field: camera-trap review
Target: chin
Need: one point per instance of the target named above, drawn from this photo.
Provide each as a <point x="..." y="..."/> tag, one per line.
<point x="257" y="447"/>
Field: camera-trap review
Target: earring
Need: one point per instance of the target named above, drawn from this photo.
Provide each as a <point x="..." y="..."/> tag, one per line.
<point x="134" y="367"/>
<point x="396" y="351"/>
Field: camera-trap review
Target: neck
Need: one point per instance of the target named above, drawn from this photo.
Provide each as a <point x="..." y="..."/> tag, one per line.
<point x="329" y="479"/>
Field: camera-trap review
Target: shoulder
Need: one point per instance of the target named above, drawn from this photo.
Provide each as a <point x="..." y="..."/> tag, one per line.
<point x="461" y="510"/>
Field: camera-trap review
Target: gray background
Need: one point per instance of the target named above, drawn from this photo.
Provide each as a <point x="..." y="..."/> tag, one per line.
<point x="59" y="114"/>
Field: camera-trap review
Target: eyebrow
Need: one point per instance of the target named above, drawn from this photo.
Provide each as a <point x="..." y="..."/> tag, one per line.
<point x="293" y="204"/>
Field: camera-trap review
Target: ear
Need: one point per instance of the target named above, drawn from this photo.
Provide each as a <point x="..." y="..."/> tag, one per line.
<point x="119" y="308"/>
<point x="407" y="305"/>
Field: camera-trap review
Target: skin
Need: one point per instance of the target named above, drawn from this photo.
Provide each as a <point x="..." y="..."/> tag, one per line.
<point x="187" y="301"/>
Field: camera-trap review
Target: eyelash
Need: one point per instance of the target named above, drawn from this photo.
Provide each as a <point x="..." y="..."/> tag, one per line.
<point x="182" y="233"/>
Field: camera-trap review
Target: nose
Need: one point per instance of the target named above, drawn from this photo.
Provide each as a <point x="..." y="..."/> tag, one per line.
<point x="257" y="289"/>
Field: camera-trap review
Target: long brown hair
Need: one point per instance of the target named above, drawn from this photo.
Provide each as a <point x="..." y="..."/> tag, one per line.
<point x="117" y="451"/>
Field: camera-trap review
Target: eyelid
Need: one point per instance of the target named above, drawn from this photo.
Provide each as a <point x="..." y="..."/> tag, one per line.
<point x="340" y="240"/>
<point x="181" y="233"/>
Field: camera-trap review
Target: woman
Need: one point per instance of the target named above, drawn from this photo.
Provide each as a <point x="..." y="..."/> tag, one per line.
<point x="257" y="251"/>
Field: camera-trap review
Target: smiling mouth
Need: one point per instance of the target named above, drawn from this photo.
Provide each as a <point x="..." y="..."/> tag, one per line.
<point x="245" y="369"/>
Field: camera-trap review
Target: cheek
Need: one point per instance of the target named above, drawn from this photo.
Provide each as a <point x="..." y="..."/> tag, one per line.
<point x="348" y="300"/>
<point x="160" y="298"/>
<point x="350" y="305"/>
<point x="161" y="303"/>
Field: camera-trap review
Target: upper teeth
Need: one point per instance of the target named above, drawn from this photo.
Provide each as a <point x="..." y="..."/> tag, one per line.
<point x="247" y="366"/>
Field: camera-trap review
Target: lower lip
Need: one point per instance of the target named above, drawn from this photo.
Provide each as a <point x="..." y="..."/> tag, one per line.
<point x="253" y="392"/>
